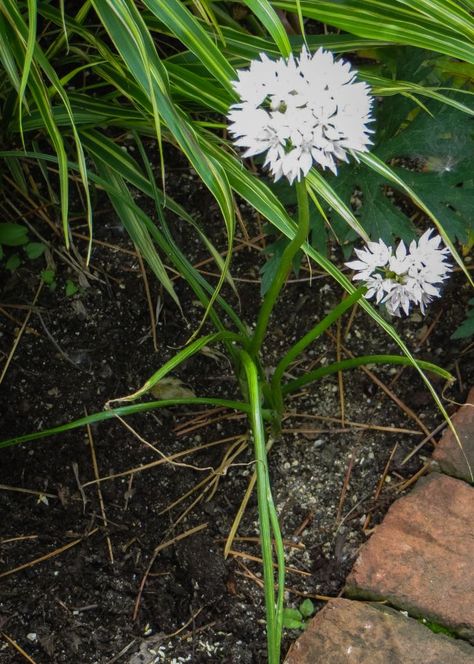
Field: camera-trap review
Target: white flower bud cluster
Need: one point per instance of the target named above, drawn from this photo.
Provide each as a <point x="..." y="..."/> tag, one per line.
<point x="300" y="111"/>
<point x="405" y="276"/>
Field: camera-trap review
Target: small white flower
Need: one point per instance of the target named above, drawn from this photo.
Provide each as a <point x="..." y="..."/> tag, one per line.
<point x="398" y="298"/>
<point x="402" y="277"/>
<point x="426" y="255"/>
<point x="399" y="262"/>
<point x="378" y="286"/>
<point x="300" y="111"/>
<point x="377" y="254"/>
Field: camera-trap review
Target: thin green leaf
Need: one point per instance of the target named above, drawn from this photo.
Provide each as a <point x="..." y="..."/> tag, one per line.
<point x="269" y="19"/>
<point x="364" y="360"/>
<point x="178" y="359"/>
<point x="124" y="411"/>
<point x="29" y="50"/>
<point x="89" y="112"/>
<point x="198" y="283"/>
<point x="299" y="12"/>
<point x="446" y="12"/>
<point x="273" y="604"/>
<point x="7" y="57"/>
<point x="316" y="181"/>
<point x="190" y="86"/>
<point x="315" y="332"/>
<point x="386" y="20"/>
<point x="242" y="47"/>
<point x="187" y="29"/>
<point x="40" y="65"/>
<point x="208" y="15"/>
<point x="63" y="21"/>
<point x="41" y="100"/>
<point x="159" y="204"/>
<point x="384" y="86"/>
<point x="134" y="226"/>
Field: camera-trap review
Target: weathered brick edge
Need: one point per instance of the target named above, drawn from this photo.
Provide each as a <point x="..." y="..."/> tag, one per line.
<point x="319" y="643"/>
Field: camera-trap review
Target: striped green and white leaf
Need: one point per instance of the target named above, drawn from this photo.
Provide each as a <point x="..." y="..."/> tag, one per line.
<point x="265" y="13"/>
<point x="136" y="48"/>
<point x="7" y="55"/>
<point x="385" y="87"/>
<point x="185" y="27"/>
<point x="396" y="21"/>
<point x="134" y="226"/>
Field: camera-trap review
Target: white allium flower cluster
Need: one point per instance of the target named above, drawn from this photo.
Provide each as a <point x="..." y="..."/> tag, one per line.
<point x="404" y="276"/>
<point x="300" y="111"/>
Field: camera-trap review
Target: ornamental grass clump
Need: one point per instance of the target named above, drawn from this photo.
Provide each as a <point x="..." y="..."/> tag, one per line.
<point x="300" y="112"/>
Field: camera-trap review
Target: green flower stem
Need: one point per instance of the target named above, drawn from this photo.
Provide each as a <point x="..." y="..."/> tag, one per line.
<point x="311" y="376"/>
<point x="268" y="518"/>
<point x="283" y="269"/>
<point x="280" y="555"/>
<point x="298" y="348"/>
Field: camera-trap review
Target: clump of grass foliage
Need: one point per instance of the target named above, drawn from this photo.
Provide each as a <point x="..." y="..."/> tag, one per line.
<point x="77" y="79"/>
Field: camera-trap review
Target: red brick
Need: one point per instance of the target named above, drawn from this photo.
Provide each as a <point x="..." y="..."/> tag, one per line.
<point x="347" y="632"/>
<point x="421" y="558"/>
<point x="448" y="454"/>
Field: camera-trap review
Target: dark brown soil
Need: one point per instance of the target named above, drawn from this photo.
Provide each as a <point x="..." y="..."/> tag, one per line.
<point x="77" y="606"/>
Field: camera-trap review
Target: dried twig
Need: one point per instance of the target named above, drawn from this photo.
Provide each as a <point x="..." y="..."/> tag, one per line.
<point x="256" y="540"/>
<point x="160" y="547"/>
<point x="17" y="489"/>
<point x="47" y="556"/>
<point x="99" y="492"/>
<point x="18" y="648"/>
<point x="403" y="406"/>
<point x="425" y="440"/>
<point x="355" y="425"/>
<point x="151" y="310"/>
<point x="116" y="657"/>
<point x="85" y="500"/>
<point x="345" y="485"/>
<point x="19" y="538"/>
<point x="257" y="559"/>
<point x="249" y="575"/>
<point x="20" y="333"/>
<point x="380" y="484"/>
<point x="158" y="462"/>
<point x="167" y="459"/>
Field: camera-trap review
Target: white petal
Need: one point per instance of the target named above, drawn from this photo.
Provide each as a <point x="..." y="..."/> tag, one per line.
<point x="356" y="265"/>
